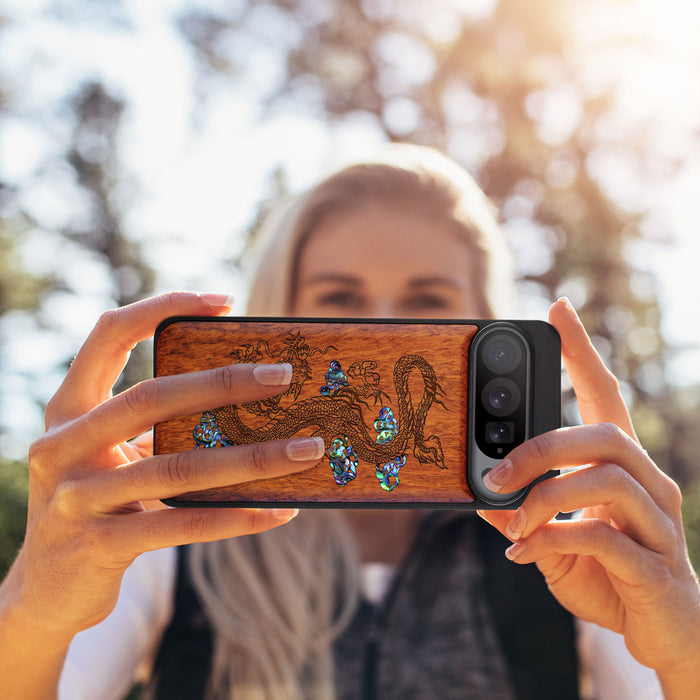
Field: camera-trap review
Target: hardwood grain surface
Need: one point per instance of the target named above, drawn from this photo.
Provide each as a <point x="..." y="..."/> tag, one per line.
<point x="416" y="370"/>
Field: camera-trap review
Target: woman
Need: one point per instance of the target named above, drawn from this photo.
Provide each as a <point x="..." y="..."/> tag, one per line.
<point x="275" y="602"/>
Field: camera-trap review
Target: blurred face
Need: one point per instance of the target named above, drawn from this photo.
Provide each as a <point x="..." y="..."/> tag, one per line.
<point x="385" y="261"/>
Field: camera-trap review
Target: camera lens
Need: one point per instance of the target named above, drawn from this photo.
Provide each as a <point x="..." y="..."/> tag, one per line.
<point x="499" y="432"/>
<point x="502" y="353"/>
<point x="500" y="396"/>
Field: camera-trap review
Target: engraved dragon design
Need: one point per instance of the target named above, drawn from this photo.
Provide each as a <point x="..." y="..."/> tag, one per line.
<point x="337" y="413"/>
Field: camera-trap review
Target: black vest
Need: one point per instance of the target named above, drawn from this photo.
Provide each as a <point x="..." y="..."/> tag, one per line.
<point x="415" y="645"/>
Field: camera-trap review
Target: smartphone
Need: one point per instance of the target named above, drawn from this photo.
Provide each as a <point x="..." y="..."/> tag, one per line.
<point x="412" y="413"/>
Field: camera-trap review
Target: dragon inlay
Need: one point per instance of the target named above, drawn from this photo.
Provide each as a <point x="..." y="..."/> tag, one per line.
<point x="336" y="413"/>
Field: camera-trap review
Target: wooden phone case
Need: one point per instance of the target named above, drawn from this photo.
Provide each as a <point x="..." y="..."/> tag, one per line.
<point x="389" y="399"/>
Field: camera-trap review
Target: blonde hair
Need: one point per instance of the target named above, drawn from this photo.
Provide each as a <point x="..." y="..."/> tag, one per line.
<point x="405" y="174"/>
<point x="277" y="600"/>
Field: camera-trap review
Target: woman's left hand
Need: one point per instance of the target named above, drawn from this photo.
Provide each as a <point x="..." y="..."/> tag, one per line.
<point x="623" y="564"/>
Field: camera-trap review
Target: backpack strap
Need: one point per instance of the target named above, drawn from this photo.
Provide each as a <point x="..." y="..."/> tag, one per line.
<point x="536" y="633"/>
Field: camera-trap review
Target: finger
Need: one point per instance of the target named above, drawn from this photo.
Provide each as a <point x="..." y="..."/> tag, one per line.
<point x="606" y="486"/>
<point x="167" y="476"/>
<point x="596" y="388"/>
<point x="155" y="400"/>
<point x="497" y="518"/>
<point x="579" y="445"/>
<point x="105" y="352"/>
<point x="614" y="550"/>
<point x="142" y="445"/>
<point x="156" y="529"/>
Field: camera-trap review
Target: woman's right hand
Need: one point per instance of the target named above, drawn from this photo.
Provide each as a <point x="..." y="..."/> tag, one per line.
<point x="88" y="516"/>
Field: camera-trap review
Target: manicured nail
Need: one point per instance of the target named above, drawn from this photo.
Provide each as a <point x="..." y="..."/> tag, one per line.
<point x="499" y="476"/>
<point x="304" y="449"/>
<point x="285" y="514"/>
<point x="569" y="306"/>
<point x="218" y="299"/>
<point x="515" y="550"/>
<point x="517" y="525"/>
<point x="273" y="375"/>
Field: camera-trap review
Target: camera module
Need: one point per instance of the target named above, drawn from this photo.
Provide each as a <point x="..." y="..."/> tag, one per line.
<point x="501" y="390"/>
<point x="505" y="359"/>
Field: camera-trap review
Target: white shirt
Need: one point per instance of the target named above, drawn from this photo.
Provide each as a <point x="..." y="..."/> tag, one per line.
<point x="104" y="661"/>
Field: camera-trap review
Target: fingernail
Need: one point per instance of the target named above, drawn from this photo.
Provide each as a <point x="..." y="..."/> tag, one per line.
<point x="569" y="306"/>
<point x="273" y="375"/>
<point x="515" y="550"/>
<point x="218" y="299"/>
<point x="499" y="476"/>
<point x="285" y="514"/>
<point x="303" y="449"/>
<point x="517" y="525"/>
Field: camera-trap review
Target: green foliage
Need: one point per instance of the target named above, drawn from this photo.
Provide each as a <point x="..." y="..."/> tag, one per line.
<point x="14" y="483"/>
<point x="18" y="289"/>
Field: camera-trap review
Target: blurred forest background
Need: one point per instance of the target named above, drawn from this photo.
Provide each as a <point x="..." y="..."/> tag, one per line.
<point x="580" y="119"/>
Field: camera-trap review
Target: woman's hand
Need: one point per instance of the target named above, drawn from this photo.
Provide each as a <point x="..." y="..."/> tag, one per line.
<point x="624" y="564"/>
<point x="88" y="514"/>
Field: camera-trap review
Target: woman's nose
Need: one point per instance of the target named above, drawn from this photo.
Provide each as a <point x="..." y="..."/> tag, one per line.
<point x="382" y="308"/>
